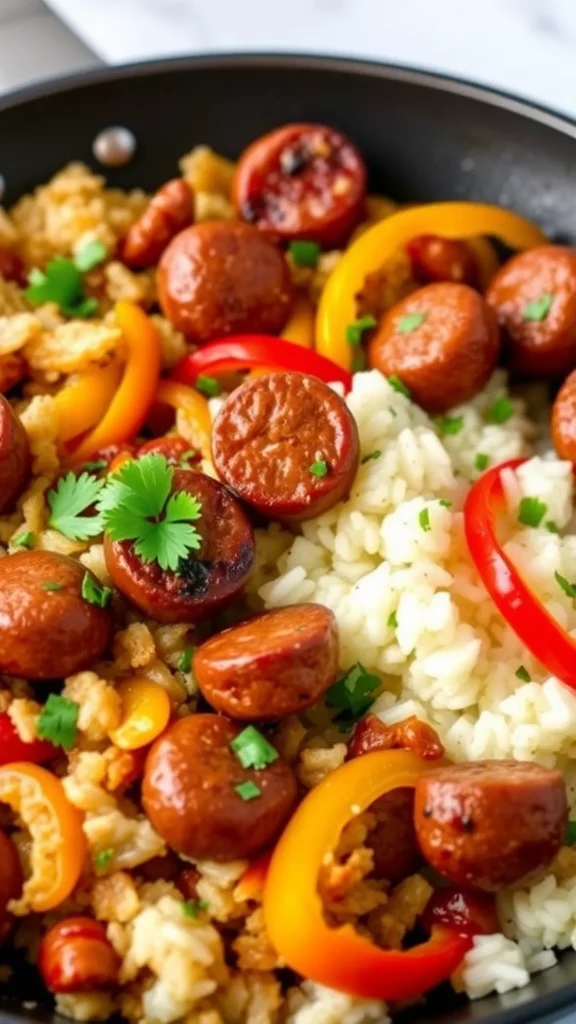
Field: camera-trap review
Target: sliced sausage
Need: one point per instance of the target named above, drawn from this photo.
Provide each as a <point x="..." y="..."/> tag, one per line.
<point x="47" y="629"/>
<point x="302" y="181"/>
<point x="221" y="278"/>
<point x="434" y="258"/>
<point x="169" y="211"/>
<point x="11" y="881"/>
<point x="393" y="839"/>
<point x="209" y="577"/>
<point x="275" y="665"/>
<point x="490" y="824"/>
<point x="15" y="457"/>
<point x="564" y="420"/>
<point x="441" y="341"/>
<point x="190" y="796"/>
<point x="75" y="955"/>
<point x="534" y="299"/>
<point x="286" y="444"/>
<point x="176" y="450"/>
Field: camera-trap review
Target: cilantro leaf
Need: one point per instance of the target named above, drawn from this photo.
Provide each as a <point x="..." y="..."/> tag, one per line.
<point x="60" y="282"/>
<point x="531" y="511"/>
<point x="304" y="253"/>
<point x="58" y="720"/>
<point x="352" y="694"/>
<point x="538" y="309"/>
<point x="136" y="504"/>
<point x="93" y="592"/>
<point x="72" y="496"/>
<point x="90" y="255"/>
<point x="410" y="322"/>
<point x="253" y="750"/>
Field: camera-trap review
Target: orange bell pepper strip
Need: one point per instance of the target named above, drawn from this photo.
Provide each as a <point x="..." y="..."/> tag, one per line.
<point x="145" y="713"/>
<point x="377" y="246"/>
<point x="83" y="403"/>
<point x="180" y="396"/>
<point x="59" y="846"/>
<point x="251" y="884"/>
<point x="129" y="406"/>
<point x="340" y="957"/>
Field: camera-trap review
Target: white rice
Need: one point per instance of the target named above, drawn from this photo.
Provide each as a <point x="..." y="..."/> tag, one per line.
<point x="410" y="606"/>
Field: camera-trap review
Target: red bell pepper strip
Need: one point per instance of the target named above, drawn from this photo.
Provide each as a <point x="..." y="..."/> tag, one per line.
<point x="12" y="748"/>
<point x="248" y="351"/>
<point x="534" y="626"/>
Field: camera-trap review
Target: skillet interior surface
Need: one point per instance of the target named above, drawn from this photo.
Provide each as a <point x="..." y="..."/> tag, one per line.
<point x="424" y="138"/>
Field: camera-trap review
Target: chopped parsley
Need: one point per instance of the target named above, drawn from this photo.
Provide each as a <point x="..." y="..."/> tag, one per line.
<point x="61" y="281"/>
<point x="481" y="461"/>
<point x="72" y="497"/>
<point x="538" y="309"/>
<point x="319" y="468"/>
<point x="501" y="410"/>
<point x="523" y="674"/>
<point x="552" y="527"/>
<point x="355" y="332"/>
<point x="102" y="860"/>
<point x="248" y="790"/>
<point x="93" y="591"/>
<point x="52" y="585"/>
<point x="194" y="907"/>
<point x="352" y="694"/>
<point x="58" y="720"/>
<point x="570" y="834"/>
<point x="303" y="253"/>
<point x="136" y="504"/>
<point x="392" y="620"/>
<point x="209" y="386"/>
<point x="185" y="662"/>
<point x="253" y="750"/>
<point x="24" y="540"/>
<point x="398" y="385"/>
<point x="410" y="322"/>
<point x="445" y="502"/>
<point x="424" y="520"/>
<point x="450" y="425"/>
<point x="371" y="455"/>
<point x="565" y="585"/>
<point x="531" y="511"/>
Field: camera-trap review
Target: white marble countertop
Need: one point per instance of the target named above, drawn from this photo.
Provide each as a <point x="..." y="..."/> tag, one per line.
<point x="34" y="44"/>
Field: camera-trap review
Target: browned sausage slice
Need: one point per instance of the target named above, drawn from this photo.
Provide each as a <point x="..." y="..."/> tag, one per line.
<point x="441" y="341"/>
<point x="190" y="792"/>
<point x="534" y="298"/>
<point x="169" y="211"/>
<point x="564" y="419"/>
<point x="286" y="444"/>
<point x="15" y="458"/>
<point x="209" y="577"/>
<point x="490" y="824"/>
<point x="221" y="278"/>
<point x="47" y="629"/>
<point x="409" y="734"/>
<point x="275" y="665"/>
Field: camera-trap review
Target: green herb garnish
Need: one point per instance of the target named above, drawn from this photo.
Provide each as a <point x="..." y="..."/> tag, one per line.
<point x="355" y="332"/>
<point x="538" y="309"/>
<point x="319" y="468"/>
<point x="93" y="591"/>
<point x="449" y="425"/>
<point x="209" y="386"/>
<point x="570" y="834"/>
<point x="185" y="661"/>
<point x="102" y="860"/>
<point x="531" y="511"/>
<point x="501" y="410"/>
<point x="410" y="322"/>
<point x="52" y="586"/>
<point x="353" y="693"/>
<point x="192" y="908"/>
<point x="445" y="502"/>
<point x="371" y="455"/>
<point x="253" y="750"/>
<point x="24" y="540"/>
<point x="73" y="496"/>
<point x="58" y="720"/>
<point x="248" y="790"/>
<point x="303" y="253"/>
<point x="481" y="461"/>
<point x="565" y="585"/>
<point x="90" y="255"/>
<point x="61" y="281"/>
<point x="136" y="504"/>
<point x="522" y="674"/>
<point x="398" y="385"/>
<point x="94" y="467"/>
<point x="552" y="527"/>
<point x="392" y="620"/>
<point x="424" y="520"/>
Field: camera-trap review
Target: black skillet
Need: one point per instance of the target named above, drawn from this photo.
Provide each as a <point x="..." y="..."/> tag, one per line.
<point x="424" y="137"/>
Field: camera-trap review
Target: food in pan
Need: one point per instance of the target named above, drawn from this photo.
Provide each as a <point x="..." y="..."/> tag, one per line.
<point x="287" y="587"/>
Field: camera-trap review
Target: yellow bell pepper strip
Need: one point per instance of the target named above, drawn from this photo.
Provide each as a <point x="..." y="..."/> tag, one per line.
<point x="133" y="398"/>
<point x="340" y="957"/>
<point x="59" y="846"/>
<point x="374" y="249"/>
<point x="84" y="402"/>
<point x="300" y="327"/>
<point x="180" y="396"/>
<point x="145" y="713"/>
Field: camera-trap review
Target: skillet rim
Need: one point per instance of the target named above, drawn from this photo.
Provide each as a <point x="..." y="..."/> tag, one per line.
<point x="541" y="1009"/>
